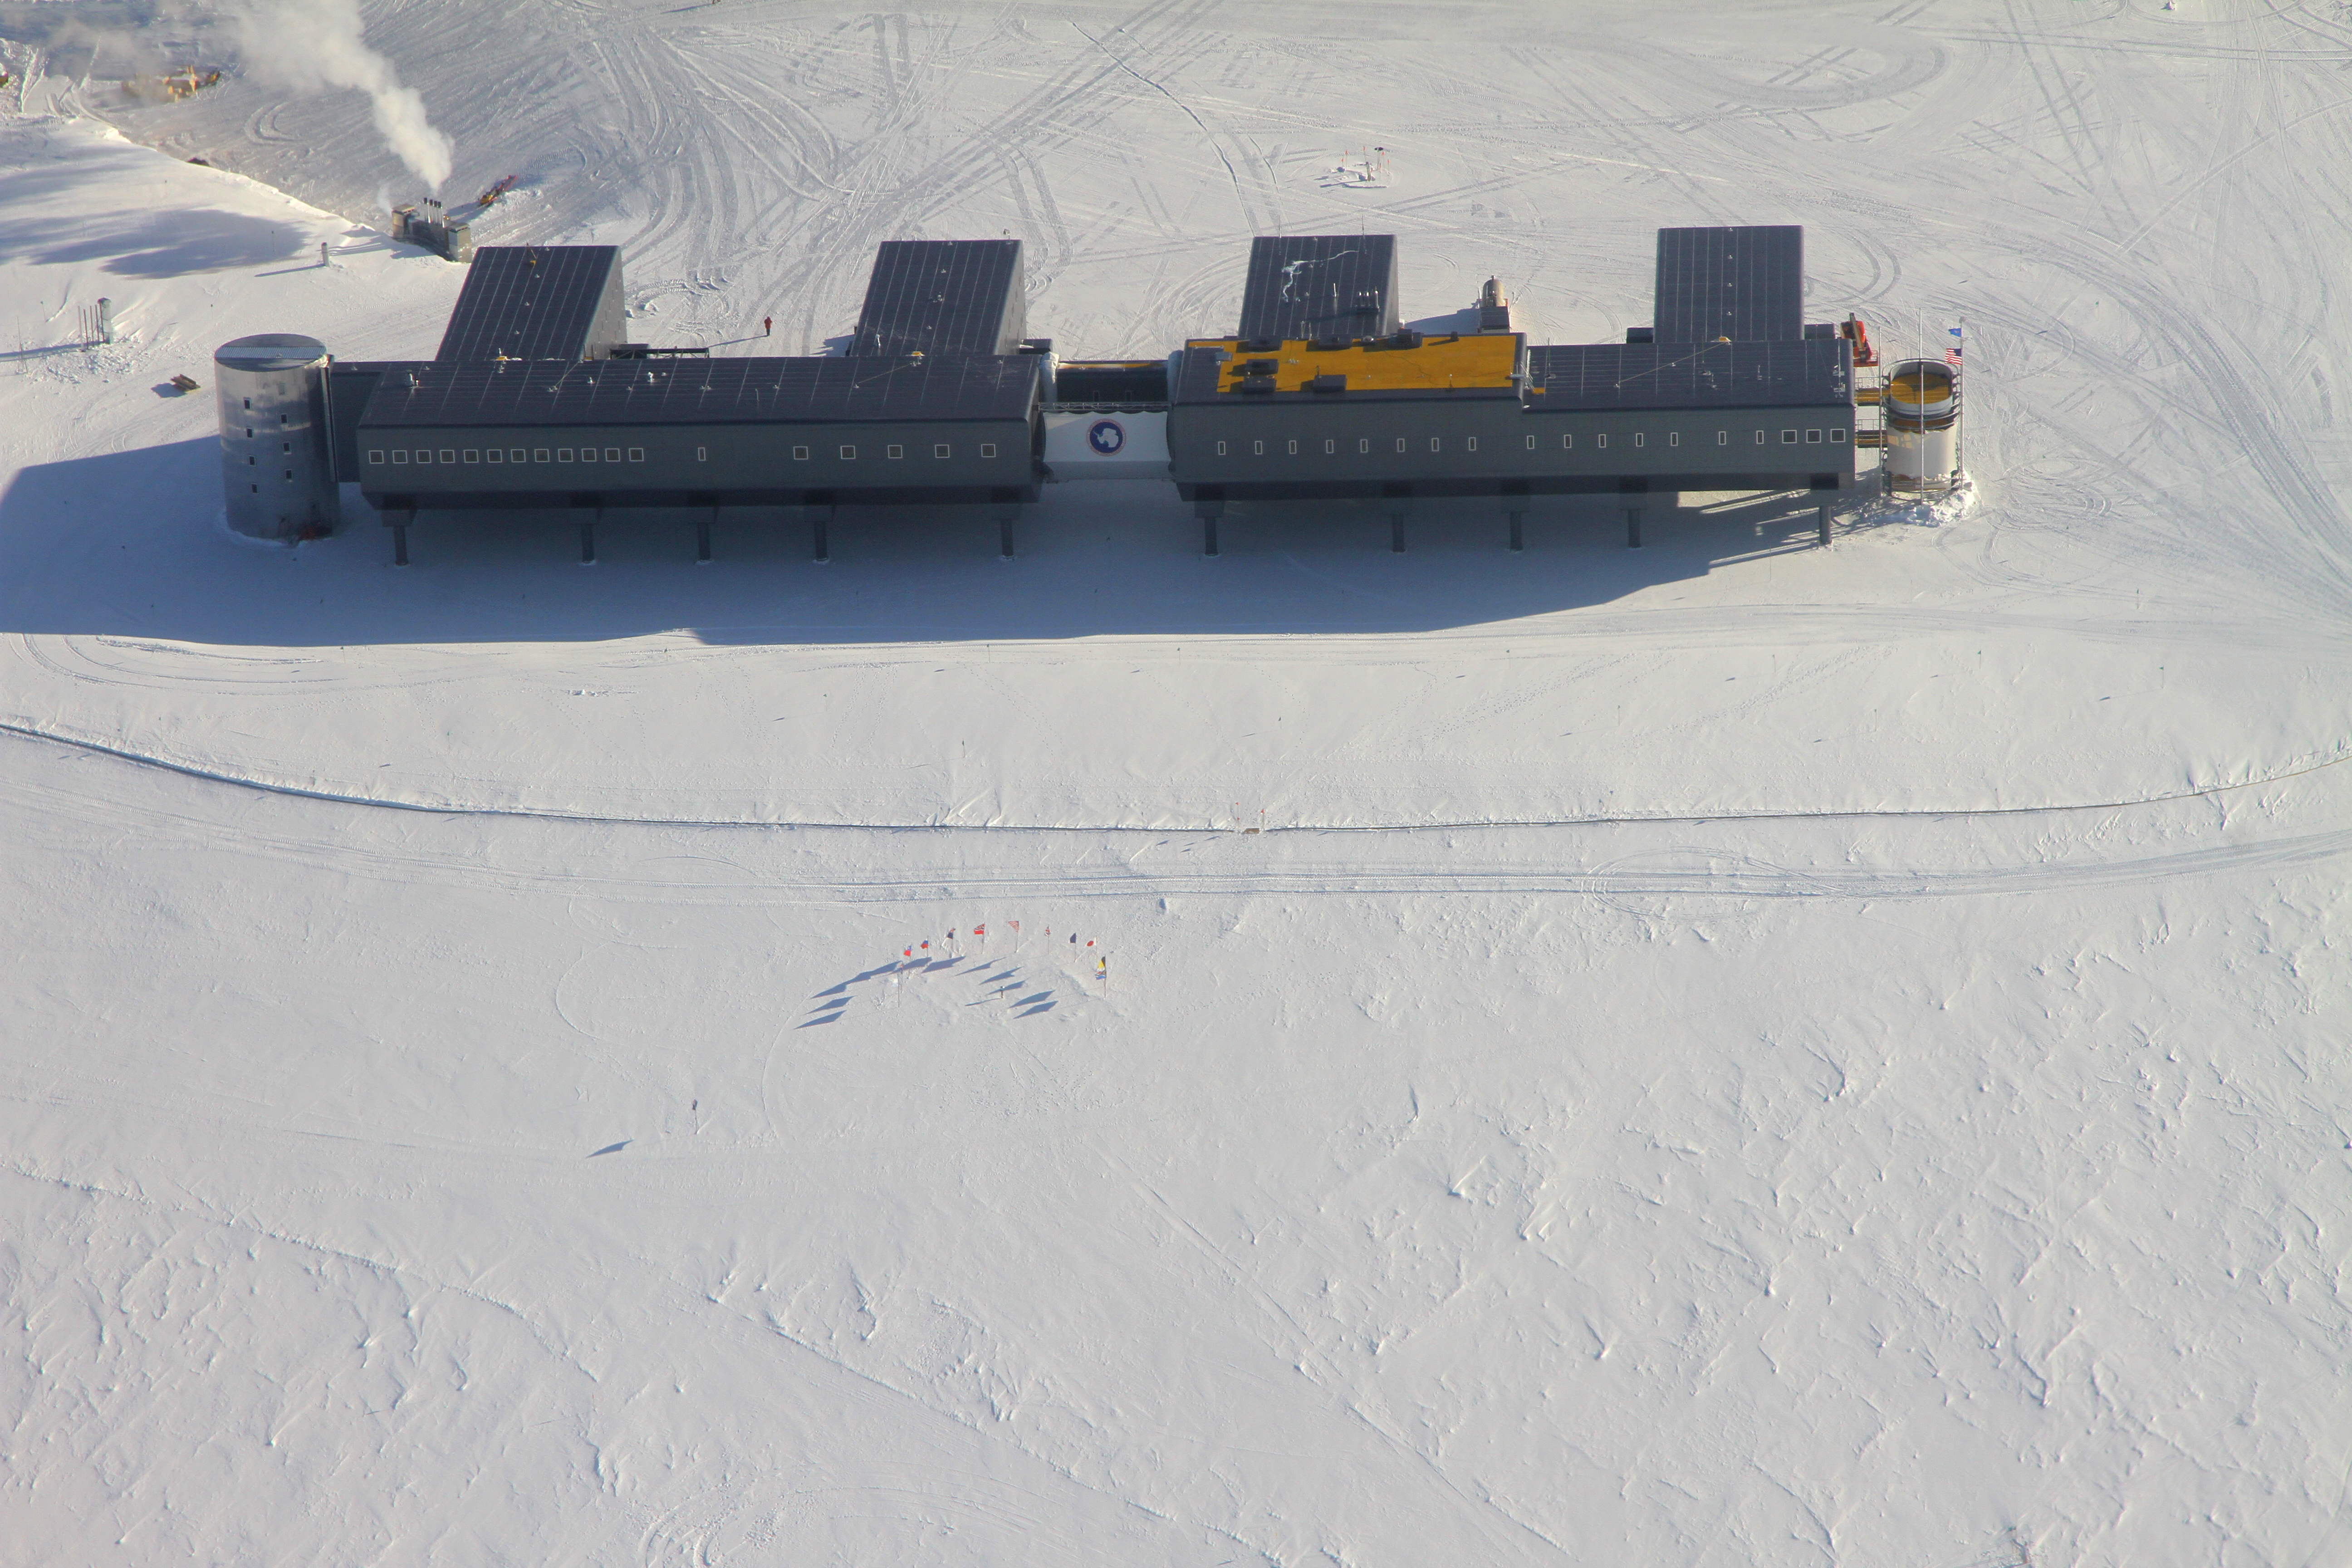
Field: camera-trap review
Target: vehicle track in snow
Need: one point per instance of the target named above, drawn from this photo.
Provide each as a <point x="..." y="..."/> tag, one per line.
<point x="2074" y="846"/>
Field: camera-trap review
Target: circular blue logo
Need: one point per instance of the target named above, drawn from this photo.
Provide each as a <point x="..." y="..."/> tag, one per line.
<point x="1106" y="437"/>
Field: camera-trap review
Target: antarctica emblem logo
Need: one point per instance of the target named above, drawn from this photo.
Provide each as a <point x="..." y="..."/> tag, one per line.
<point x="1106" y="437"/>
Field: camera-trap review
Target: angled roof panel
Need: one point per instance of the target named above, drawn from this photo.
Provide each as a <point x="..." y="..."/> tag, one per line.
<point x="538" y="301"/>
<point x="1321" y="285"/>
<point x="942" y="296"/>
<point x="1745" y="284"/>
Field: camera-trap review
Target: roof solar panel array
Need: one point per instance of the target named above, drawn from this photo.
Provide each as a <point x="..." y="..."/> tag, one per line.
<point x="538" y="301"/>
<point x="1746" y="284"/>
<point x="726" y="391"/>
<point x="1321" y="285"/>
<point x="1688" y="376"/>
<point x="942" y="296"/>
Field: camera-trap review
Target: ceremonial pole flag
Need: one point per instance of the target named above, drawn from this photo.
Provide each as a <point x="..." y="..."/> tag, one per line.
<point x="1952" y="355"/>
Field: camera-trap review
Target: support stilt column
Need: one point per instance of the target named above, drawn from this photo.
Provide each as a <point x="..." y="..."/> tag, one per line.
<point x="1514" y="507"/>
<point x="1208" y="505"/>
<point x="1396" y="499"/>
<point x="819" y="515"/>
<point x="1008" y="512"/>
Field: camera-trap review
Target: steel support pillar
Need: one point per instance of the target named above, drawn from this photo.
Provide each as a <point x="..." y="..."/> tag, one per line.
<point x="1633" y="528"/>
<point x="1208" y="509"/>
<point x="400" y="544"/>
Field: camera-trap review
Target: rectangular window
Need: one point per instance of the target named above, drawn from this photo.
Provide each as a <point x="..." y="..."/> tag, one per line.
<point x="290" y="473"/>
<point x="1257" y="449"/>
<point x="1568" y="440"/>
<point x="473" y="454"/>
<point x="249" y="403"/>
<point x="1813" y="437"/>
<point x="1759" y="437"/>
<point x="538" y="454"/>
<point x="1433" y="443"/>
<point x="612" y="454"/>
<point x="1723" y="437"/>
<point x="285" y="446"/>
<point x="1364" y="444"/>
<point x="1329" y="447"/>
<point x="1400" y="443"/>
<point x="894" y="452"/>
<point x="1470" y="444"/>
<point x="517" y="456"/>
<point x="587" y="453"/>
<point x="497" y="456"/>
<point x="636" y="454"/>
<point x="1641" y="437"/>
<point x="447" y="455"/>
<point x="563" y="453"/>
<point x="1221" y="448"/>
<point x="1531" y="443"/>
<point x="376" y="457"/>
<point x="849" y="454"/>
<point x="1674" y="438"/>
<point x="988" y="449"/>
<point x="800" y="453"/>
<point x="1788" y="437"/>
<point x="702" y="453"/>
<point x="1601" y="439"/>
<point x="1294" y="448"/>
<point x="1836" y="435"/>
<point x="253" y="462"/>
<point x="422" y="455"/>
<point x="939" y="451"/>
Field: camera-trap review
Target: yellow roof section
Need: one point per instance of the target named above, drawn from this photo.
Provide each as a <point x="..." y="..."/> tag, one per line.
<point x="1486" y="360"/>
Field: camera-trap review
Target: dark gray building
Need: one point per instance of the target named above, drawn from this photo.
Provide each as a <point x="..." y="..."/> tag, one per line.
<point x="1734" y="393"/>
<point x="526" y="405"/>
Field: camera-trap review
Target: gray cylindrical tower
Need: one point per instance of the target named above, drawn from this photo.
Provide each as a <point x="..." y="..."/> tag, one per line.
<point x="276" y="471"/>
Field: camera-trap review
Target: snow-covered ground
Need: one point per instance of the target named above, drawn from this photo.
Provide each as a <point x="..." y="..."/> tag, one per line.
<point x="1728" y="1053"/>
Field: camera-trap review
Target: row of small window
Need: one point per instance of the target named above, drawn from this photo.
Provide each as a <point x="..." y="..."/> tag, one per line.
<point x="636" y="454"/>
<point x="892" y="452"/>
<point x="1600" y="440"/>
<point x="511" y="455"/>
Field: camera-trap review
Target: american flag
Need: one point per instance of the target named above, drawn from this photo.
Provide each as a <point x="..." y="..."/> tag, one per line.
<point x="1952" y="355"/>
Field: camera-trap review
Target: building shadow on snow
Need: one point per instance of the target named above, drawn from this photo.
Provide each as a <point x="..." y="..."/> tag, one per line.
<point x="131" y="544"/>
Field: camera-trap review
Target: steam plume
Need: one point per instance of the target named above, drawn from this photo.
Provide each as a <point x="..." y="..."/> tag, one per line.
<point x="309" y="45"/>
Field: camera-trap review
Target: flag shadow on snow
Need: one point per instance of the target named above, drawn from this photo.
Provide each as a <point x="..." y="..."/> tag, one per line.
<point x="132" y="543"/>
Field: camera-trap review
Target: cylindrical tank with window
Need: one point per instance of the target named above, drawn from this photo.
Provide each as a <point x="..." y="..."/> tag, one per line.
<point x="276" y="467"/>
